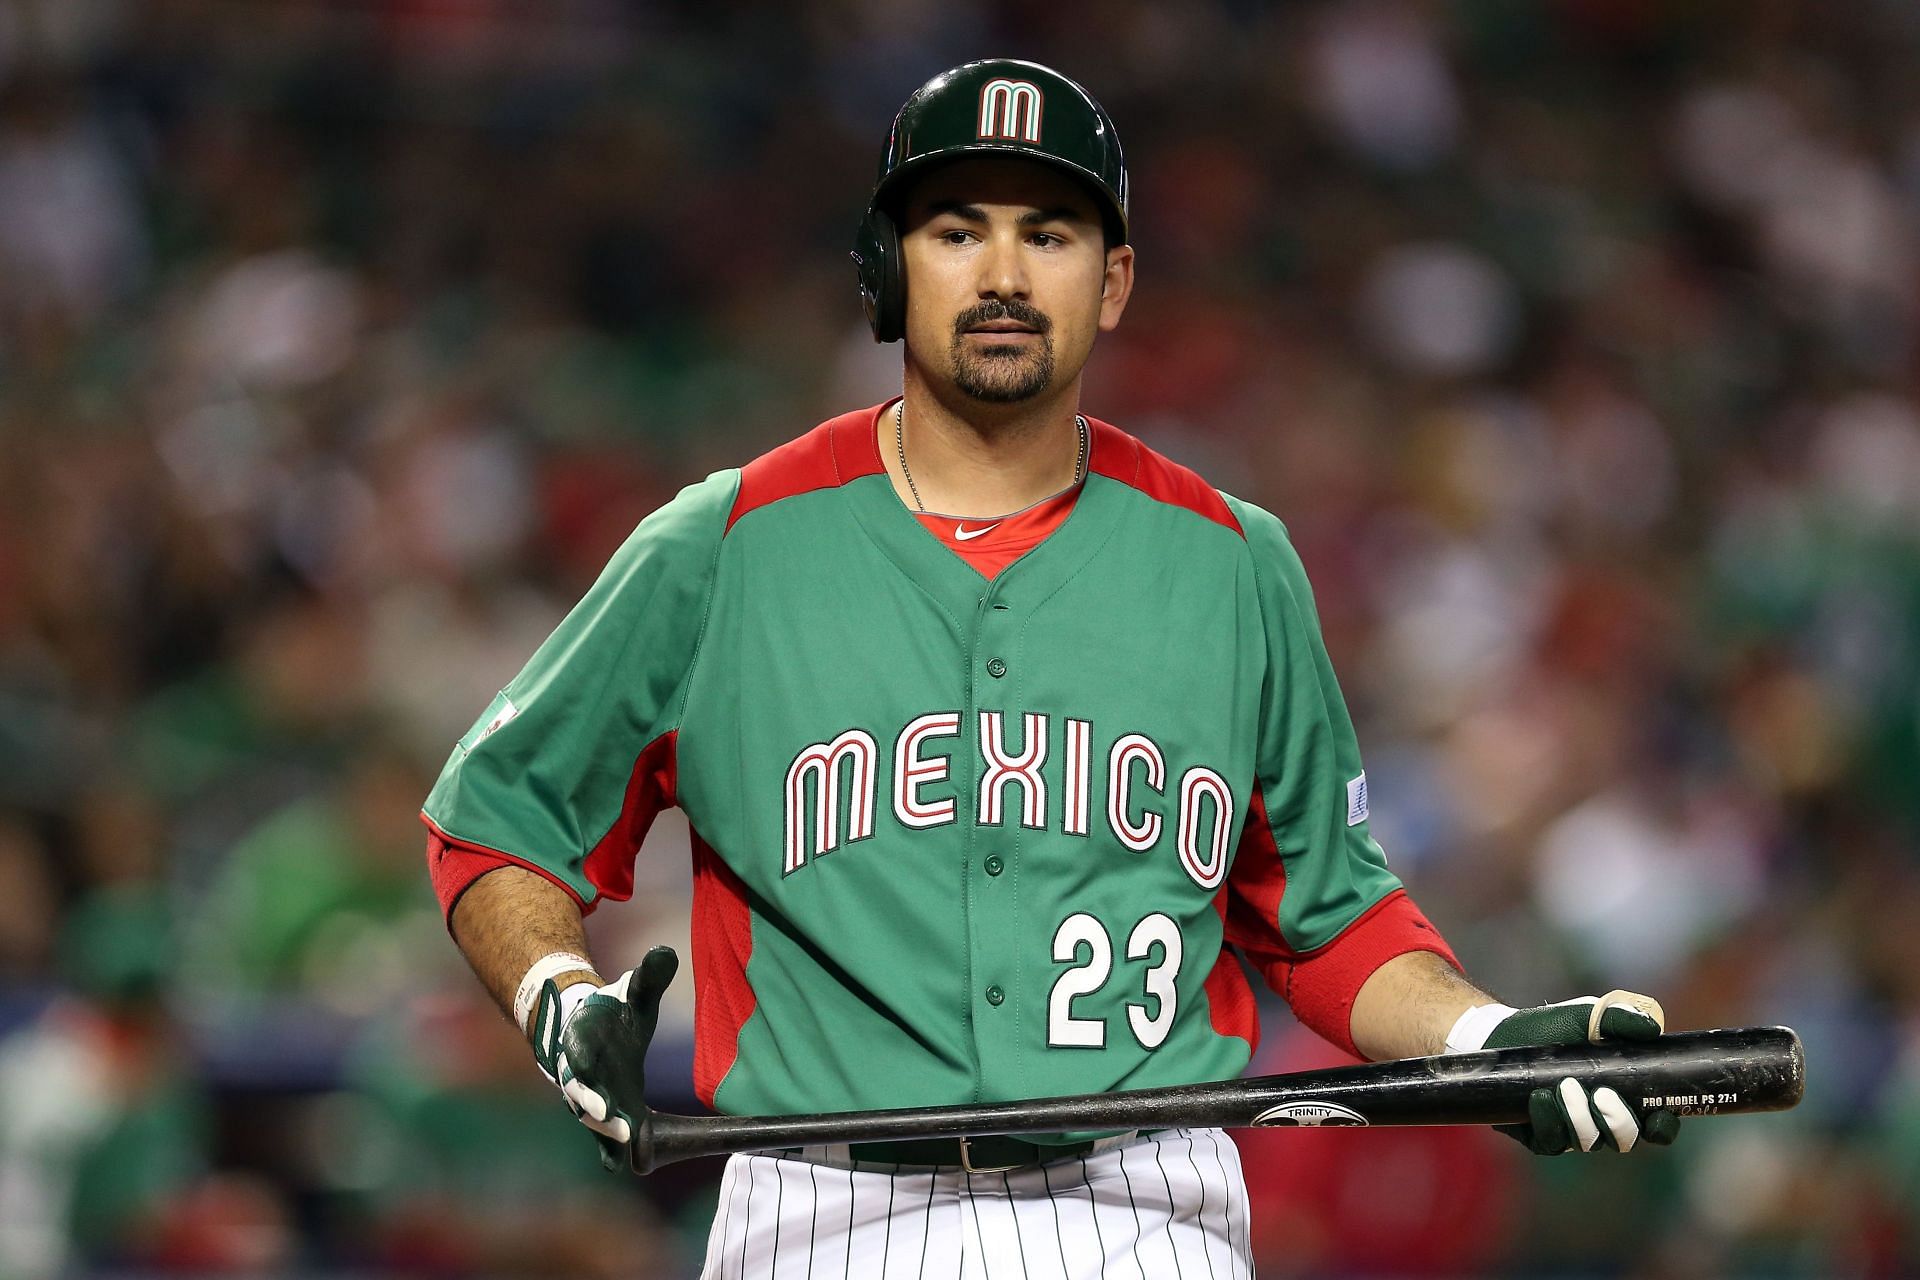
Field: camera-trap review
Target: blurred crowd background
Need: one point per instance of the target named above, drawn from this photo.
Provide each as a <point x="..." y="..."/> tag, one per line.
<point x="342" y="340"/>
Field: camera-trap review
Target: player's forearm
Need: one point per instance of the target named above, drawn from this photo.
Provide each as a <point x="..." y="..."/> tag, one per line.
<point x="1406" y="1008"/>
<point x="511" y="917"/>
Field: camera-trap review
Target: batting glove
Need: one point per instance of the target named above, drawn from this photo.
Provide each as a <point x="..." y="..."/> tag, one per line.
<point x="592" y="1042"/>
<point x="1569" y="1115"/>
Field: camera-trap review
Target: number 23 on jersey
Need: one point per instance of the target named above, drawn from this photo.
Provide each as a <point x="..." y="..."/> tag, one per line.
<point x="1082" y="944"/>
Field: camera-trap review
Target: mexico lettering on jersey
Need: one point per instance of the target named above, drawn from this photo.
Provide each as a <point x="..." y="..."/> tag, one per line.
<point x="955" y="839"/>
<point x="817" y="821"/>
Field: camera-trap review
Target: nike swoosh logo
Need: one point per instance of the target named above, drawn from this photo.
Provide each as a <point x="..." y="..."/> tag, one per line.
<point x="965" y="534"/>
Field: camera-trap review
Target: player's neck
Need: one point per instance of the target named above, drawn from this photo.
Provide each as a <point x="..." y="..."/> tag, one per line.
<point x="975" y="461"/>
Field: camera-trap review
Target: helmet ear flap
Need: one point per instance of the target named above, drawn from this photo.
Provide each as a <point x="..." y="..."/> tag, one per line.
<point x="876" y="257"/>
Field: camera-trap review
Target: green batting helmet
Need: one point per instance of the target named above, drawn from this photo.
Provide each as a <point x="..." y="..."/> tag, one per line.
<point x="999" y="106"/>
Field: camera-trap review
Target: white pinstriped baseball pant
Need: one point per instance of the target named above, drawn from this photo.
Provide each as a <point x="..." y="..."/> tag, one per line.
<point x="1167" y="1204"/>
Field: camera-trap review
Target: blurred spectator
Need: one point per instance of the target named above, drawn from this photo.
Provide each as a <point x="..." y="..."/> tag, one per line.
<point x="71" y="240"/>
<point x="29" y="906"/>
<point x="453" y="1160"/>
<point x="323" y="903"/>
<point x="106" y="1134"/>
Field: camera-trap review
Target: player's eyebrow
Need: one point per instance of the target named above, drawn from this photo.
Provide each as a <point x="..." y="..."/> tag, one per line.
<point x="1032" y="217"/>
<point x="1060" y="213"/>
<point x="959" y="209"/>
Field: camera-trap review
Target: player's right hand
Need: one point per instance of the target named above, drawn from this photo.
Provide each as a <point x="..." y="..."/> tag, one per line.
<point x="596" y="1051"/>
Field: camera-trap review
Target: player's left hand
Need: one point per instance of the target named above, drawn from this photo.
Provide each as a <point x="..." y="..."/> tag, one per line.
<point x="1571" y="1116"/>
<point x="598" y="1053"/>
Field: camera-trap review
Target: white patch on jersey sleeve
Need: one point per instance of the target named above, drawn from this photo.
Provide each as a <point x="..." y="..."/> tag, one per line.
<point x="499" y="713"/>
<point x="1357" y="800"/>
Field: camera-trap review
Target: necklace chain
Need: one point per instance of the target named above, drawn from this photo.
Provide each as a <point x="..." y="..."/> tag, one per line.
<point x="900" y="447"/>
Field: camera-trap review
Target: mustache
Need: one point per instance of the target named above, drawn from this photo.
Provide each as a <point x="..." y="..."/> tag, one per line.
<point x="1014" y="309"/>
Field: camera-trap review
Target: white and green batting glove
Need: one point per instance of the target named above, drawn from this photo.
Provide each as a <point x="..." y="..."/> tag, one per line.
<point x="1571" y="1116"/>
<point x="592" y="1042"/>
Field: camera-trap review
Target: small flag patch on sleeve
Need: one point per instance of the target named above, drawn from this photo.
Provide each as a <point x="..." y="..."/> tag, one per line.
<point x="1357" y="800"/>
<point x="498" y="713"/>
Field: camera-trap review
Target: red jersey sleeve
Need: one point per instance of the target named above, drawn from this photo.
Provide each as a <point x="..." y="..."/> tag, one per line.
<point x="453" y="867"/>
<point x="1322" y="984"/>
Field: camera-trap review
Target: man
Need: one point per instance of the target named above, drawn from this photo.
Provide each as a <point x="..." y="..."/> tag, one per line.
<point x="1002" y="739"/>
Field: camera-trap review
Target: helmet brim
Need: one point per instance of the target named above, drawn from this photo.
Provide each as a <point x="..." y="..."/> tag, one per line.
<point x="890" y="192"/>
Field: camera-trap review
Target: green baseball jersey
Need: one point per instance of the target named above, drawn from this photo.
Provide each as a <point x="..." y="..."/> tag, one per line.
<point x="954" y="839"/>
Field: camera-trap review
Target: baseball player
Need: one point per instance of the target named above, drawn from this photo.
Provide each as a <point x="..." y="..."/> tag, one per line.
<point x="1006" y="743"/>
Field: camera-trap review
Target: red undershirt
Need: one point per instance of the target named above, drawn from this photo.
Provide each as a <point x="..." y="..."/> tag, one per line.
<point x="993" y="544"/>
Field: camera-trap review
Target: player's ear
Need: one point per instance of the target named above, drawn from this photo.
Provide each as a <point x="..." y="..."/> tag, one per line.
<point x="1116" y="286"/>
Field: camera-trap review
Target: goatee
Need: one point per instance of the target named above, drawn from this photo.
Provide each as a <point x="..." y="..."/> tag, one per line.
<point x="997" y="374"/>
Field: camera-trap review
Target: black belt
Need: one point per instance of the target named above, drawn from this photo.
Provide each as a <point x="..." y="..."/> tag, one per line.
<point x="991" y="1154"/>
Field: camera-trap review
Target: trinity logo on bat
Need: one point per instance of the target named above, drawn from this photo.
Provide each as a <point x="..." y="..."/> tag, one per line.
<point x="1308" y="1114"/>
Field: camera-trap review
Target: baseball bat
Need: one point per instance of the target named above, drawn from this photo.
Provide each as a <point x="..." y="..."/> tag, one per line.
<point x="1692" y="1073"/>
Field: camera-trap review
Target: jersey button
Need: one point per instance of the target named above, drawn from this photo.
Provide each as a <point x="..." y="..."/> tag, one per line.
<point x="995" y="995"/>
<point x="994" y="865"/>
<point x="996" y="668"/>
